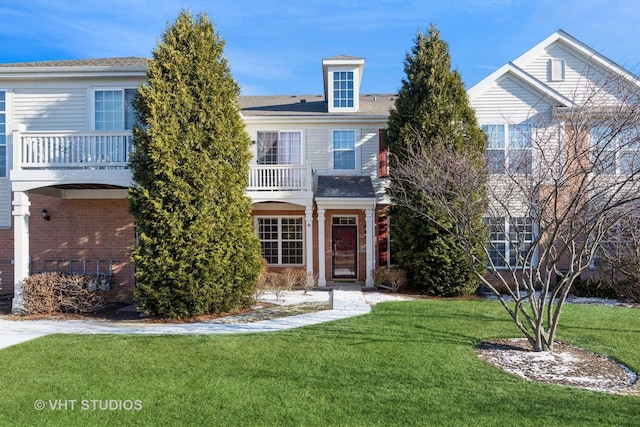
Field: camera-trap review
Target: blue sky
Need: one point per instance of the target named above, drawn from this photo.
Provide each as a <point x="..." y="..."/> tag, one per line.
<point x="276" y="46"/>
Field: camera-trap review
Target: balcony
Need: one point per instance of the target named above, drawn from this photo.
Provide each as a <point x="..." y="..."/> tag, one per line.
<point x="73" y="150"/>
<point x="280" y="178"/>
<point x="291" y="184"/>
<point x="46" y="159"/>
<point x="54" y="158"/>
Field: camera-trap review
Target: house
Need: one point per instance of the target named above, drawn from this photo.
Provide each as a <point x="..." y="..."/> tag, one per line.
<point x="317" y="178"/>
<point x="316" y="181"/>
<point x="541" y="113"/>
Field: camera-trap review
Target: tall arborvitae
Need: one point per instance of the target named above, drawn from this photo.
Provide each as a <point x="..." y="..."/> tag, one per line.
<point x="432" y="108"/>
<point x="196" y="252"/>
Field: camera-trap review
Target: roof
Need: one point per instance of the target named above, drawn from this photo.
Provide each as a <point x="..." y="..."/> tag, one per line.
<point x="345" y="187"/>
<point x="575" y="45"/>
<point x="129" y="61"/>
<point x="524" y="77"/>
<point x="344" y="58"/>
<point x="560" y="36"/>
<point x="311" y="105"/>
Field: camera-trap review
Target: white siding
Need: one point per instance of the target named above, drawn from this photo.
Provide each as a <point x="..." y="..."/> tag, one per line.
<point x="51" y="109"/>
<point x="508" y="99"/>
<point x="318" y="143"/>
<point x="369" y="152"/>
<point x="578" y="71"/>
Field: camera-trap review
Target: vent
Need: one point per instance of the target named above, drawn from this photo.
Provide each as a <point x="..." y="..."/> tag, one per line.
<point x="556" y="70"/>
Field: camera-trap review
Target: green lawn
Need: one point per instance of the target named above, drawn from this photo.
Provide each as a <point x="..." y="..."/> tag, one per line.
<point x="407" y="363"/>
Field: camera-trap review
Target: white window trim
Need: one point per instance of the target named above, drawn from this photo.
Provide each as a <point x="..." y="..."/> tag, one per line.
<point x="304" y="237"/>
<point x="344" y="216"/>
<point x="506" y="147"/>
<point x="303" y="153"/>
<point x="92" y="103"/>
<point x="618" y="152"/>
<point x="8" y="117"/>
<point x="5" y="202"/>
<point x="356" y="90"/>
<point x="357" y="148"/>
<point x="507" y="241"/>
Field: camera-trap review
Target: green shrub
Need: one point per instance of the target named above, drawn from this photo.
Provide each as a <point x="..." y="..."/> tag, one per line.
<point x="196" y="252"/>
<point x="593" y="288"/>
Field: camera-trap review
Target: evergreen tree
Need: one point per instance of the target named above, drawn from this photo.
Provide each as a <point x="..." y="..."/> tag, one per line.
<point x="432" y="108"/>
<point x="196" y="252"/>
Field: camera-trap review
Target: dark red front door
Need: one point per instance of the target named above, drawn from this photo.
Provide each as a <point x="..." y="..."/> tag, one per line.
<point x="345" y="251"/>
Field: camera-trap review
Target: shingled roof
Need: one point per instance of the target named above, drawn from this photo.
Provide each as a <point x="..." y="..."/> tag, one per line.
<point x="310" y="105"/>
<point x="128" y="61"/>
<point x="345" y="186"/>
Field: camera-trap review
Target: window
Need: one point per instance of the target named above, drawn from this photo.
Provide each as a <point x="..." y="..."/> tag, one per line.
<point x="615" y="151"/>
<point x="279" y="148"/>
<point x="343" y="89"/>
<point x="509" y="148"/>
<point x="113" y="109"/>
<point x="281" y="239"/>
<point x="510" y="240"/>
<point x="619" y="245"/>
<point x="344" y="149"/>
<point x="3" y="135"/>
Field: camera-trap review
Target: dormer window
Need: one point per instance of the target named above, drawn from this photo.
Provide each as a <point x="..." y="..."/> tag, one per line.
<point x="342" y="75"/>
<point x="343" y="89"/>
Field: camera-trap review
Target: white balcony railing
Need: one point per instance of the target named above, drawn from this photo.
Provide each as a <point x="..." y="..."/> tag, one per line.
<point x="280" y="178"/>
<point x="70" y="150"/>
<point x="73" y="150"/>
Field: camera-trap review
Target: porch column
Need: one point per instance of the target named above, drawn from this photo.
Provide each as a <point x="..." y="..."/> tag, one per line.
<point x="20" y="247"/>
<point x="369" y="231"/>
<point x="322" y="279"/>
<point x="309" y="239"/>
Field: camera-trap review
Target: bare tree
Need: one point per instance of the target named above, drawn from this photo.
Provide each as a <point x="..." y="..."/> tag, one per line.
<point x="571" y="177"/>
<point x="619" y="256"/>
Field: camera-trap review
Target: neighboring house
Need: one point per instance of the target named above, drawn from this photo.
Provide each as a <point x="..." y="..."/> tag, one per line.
<point x="524" y="106"/>
<point x="316" y="180"/>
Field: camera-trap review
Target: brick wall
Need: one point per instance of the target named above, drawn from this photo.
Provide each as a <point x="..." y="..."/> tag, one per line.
<point x="94" y="229"/>
<point x="6" y="267"/>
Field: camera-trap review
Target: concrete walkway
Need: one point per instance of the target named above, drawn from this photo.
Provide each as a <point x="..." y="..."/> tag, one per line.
<point x="345" y="303"/>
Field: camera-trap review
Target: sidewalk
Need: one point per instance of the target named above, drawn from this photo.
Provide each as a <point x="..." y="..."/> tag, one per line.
<point x="345" y="303"/>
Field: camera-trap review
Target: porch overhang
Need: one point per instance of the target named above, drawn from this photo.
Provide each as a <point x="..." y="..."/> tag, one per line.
<point x="352" y="192"/>
<point x="347" y="192"/>
<point x="25" y="180"/>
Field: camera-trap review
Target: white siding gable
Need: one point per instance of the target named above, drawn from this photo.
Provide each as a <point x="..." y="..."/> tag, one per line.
<point x="510" y="101"/>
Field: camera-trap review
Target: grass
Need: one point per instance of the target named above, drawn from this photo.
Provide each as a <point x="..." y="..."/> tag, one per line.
<point x="407" y="363"/>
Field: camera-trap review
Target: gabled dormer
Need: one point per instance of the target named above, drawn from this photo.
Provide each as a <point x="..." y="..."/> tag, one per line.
<point x="342" y="75"/>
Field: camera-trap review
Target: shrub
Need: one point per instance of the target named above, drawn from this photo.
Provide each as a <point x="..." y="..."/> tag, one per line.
<point x="391" y="278"/>
<point x="593" y="288"/>
<point x="64" y="293"/>
<point x="279" y="283"/>
<point x="626" y="290"/>
<point x="310" y="282"/>
<point x="294" y="278"/>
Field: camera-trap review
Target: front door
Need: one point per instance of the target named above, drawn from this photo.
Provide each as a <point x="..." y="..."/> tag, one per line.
<point x="344" y="251"/>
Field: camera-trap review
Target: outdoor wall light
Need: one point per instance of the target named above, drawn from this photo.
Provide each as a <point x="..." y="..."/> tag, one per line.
<point x="45" y="215"/>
